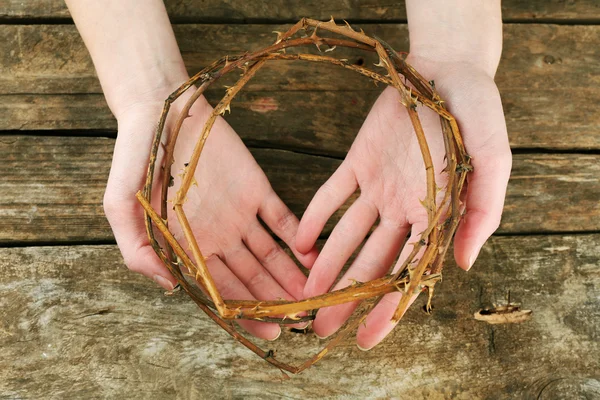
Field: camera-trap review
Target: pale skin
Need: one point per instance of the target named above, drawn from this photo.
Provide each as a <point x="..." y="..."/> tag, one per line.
<point x="139" y="65"/>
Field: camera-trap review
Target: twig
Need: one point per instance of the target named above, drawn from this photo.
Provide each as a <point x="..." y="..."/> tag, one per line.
<point x="413" y="277"/>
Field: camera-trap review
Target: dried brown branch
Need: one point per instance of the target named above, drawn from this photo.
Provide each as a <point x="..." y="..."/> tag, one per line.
<point x="414" y="276"/>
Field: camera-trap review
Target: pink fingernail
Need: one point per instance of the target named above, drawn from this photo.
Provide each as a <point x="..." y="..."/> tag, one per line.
<point x="276" y="337"/>
<point x="472" y="259"/>
<point x="321" y="337"/>
<point x="361" y="348"/>
<point x="164" y="282"/>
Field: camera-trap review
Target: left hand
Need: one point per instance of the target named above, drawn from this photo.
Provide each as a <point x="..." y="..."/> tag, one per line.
<point x="385" y="162"/>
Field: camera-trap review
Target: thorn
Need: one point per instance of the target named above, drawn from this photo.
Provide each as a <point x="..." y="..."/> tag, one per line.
<point x="331" y="21"/>
<point x="269" y="354"/>
<point x="382" y="63"/>
<point x="354" y="282"/>
<point x="425" y="203"/>
<point x="330" y="49"/>
<point x="227" y="108"/>
<point x="176" y="289"/>
<point x="293" y="317"/>
<point x="348" y="26"/>
<point x="279" y="35"/>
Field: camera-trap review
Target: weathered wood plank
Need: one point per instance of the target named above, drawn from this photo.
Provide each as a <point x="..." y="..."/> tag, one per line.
<point x="263" y="10"/>
<point x="52" y="188"/>
<point x="320" y="122"/>
<point x="312" y="109"/>
<point x="76" y="324"/>
<point x="52" y="58"/>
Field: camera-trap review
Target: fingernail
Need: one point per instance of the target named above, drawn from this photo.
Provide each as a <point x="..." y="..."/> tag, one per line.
<point x="361" y="348"/>
<point x="164" y="282"/>
<point x="276" y="337"/>
<point x="472" y="258"/>
<point x="321" y="337"/>
<point x="302" y="325"/>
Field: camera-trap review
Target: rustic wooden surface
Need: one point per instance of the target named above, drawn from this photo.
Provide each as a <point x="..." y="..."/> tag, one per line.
<point x="50" y="182"/>
<point x="74" y="323"/>
<point x="78" y="325"/>
<point x="47" y="81"/>
<point x="277" y="10"/>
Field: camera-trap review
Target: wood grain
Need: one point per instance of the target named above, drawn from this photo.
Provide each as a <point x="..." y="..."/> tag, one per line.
<point x="278" y="10"/>
<point x="76" y="324"/>
<point x="548" y="77"/>
<point x="52" y="188"/>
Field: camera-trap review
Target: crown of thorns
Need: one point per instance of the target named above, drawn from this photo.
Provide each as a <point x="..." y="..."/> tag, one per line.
<point x="419" y="272"/>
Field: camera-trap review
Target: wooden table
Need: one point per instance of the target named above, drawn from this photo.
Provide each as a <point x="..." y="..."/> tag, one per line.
<point x="74" y="323"/>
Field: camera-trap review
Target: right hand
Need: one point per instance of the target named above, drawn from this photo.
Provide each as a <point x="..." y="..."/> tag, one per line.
<point x="233" y="192"/>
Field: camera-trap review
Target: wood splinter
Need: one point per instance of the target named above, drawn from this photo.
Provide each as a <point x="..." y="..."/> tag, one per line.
<point x="510" y="313"/>
<point x="415" y="274"/>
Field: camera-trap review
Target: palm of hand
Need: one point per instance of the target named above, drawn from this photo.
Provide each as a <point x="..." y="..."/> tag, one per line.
<point x="385" y="162"/>
<point x="224" y="206"/>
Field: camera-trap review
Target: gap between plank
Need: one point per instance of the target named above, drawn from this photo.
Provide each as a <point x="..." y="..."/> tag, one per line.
<point x="261" y="21"/>
<point x="105" y="242"/>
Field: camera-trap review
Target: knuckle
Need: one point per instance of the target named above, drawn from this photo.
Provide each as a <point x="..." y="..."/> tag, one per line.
<point x="327" y="190"/>
<point x="286" y="221"/>
<point x="272" y="253"/>
<point x="110" y="203"/>
<point x="256" y="279"/>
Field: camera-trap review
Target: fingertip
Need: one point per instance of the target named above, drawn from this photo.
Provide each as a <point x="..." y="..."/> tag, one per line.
<point x="277" y="334"/>
<point x="164" y="282"/>
<point x="322" y="324"/>
<point x="308" y="259"/>
<point x="474" y="230"/>
<point x="262" y="330"/>
<point x="312" y="287"/>
<point x="305" y="238"/>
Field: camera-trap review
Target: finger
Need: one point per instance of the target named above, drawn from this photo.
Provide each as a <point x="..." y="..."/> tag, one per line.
<point x="127" y="222"/>
<point x="379" y="321"/>
<point x="282" y="221"/>
<point x="275" y="260"/>
<point x="483" y="126"/>
<point x="330" y="196"/>
<point x="373" y="261"/>
<point x="347" y="235"/>
<point x="231" y="288"/>
<point x="484" y="203"/>
<point x="253" y="276"/>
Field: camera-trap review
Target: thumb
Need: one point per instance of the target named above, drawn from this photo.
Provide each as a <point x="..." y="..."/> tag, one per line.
<point x="126" y="219"/>
<point x="492" y="162"/>
<point x="124" y="213"/>
<point x="485" y="201"/>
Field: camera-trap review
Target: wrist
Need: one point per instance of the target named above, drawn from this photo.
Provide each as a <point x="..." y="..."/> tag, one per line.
<point x="149" y="88"/>
<point x="457" y="32"/>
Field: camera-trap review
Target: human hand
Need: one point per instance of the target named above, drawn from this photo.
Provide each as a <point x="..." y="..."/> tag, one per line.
<point x="232" y="193"/>
<point x="385" y="162"/>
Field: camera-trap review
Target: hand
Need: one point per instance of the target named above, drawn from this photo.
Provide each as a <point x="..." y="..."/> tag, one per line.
<point x="232" y="193"/>
<point x="386" y="164"/>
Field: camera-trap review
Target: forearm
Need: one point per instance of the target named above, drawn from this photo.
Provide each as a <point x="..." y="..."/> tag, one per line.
<point x="133" y="49"/>
<point x="466" y="31"/>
